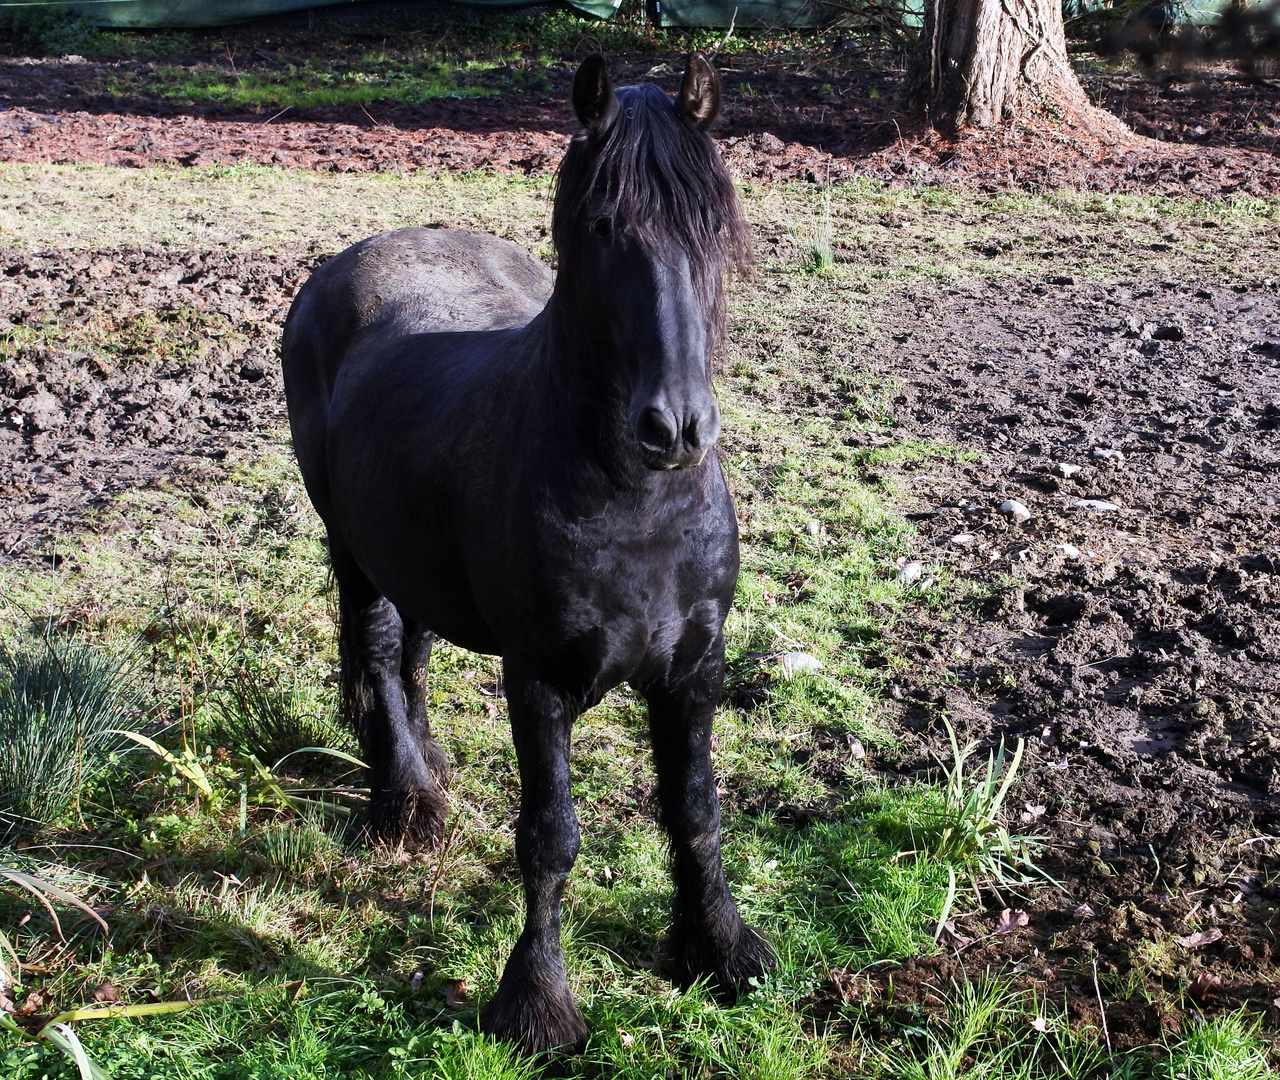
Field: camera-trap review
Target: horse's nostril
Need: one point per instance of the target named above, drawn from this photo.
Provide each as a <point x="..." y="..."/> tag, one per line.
<point x="656" y="429"/>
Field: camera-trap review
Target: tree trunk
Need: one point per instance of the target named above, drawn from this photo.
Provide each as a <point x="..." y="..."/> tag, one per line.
<point x="982" y="62"/>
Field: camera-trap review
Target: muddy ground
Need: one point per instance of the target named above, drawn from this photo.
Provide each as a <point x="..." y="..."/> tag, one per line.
<point x="1136" y="647"/>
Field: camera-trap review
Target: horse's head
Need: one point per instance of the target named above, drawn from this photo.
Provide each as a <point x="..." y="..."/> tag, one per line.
<point x="646" y="223"/>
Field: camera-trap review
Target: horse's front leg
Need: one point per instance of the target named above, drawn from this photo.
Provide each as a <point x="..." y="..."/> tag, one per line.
<point x="533" y="1006"/>
<point x="708" y="936"/>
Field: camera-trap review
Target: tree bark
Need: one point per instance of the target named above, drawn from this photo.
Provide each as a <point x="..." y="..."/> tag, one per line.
<point x="979" y="63"/>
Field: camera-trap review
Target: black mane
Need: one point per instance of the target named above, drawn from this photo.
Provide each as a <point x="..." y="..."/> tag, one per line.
<point x="665" y="179"/>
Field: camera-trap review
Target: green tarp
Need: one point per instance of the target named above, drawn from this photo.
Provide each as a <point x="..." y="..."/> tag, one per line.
<point x="754" y="14"/>
<point x="192" y="13"/>
<point x="744" y="14"/>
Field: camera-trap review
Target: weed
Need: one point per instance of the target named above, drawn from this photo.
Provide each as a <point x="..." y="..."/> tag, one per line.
<point x="1228" y="1048"/>
<point x="51" y="30"/>
<point x="967" y="828"/>
<point x="60" y="704"/>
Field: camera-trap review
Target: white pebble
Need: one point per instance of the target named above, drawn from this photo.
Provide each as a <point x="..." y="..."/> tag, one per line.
<point x="911" y="573"/>
<point x="1109" y="455"/>
<point x="1016" y="510"/>
<point x="1094" y="504"/>
<point x="1067" y="470"/>
<point x="797" y="663"/>
<point x="813" y="528"/>
<point x="1069" y="550"/>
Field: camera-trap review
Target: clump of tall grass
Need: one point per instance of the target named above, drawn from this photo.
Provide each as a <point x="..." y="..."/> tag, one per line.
<point x="60" y="706"/>
<point x="820" y="258"/>
<point x="270" y="718"/>
<point x="300" y="846"/>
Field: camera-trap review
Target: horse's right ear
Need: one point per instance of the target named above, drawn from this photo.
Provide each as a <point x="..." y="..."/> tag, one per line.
<point x="593" y="98"/>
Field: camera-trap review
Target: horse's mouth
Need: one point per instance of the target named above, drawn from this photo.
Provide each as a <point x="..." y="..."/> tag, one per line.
<point x="665" y="461"/>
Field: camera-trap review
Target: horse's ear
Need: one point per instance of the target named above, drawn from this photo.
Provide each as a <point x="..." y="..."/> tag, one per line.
<point x="699" y="99"/>
<point x="593" y="98"/>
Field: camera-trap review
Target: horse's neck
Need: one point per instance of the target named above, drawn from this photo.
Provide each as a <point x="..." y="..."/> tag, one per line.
<point x="587" y="398"/>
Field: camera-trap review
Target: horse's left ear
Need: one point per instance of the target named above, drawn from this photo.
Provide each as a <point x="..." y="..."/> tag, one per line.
<point x="699" y="99"/>
<point x="593" y="98"/>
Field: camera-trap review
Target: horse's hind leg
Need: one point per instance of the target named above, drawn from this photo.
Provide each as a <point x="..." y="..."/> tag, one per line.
<point x="407" y="801"/>
<point x="708" y="936"/>
<point x="413" y="673"/>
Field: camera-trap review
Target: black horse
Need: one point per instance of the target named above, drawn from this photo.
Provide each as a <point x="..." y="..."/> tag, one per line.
<point x="527" y="469"/>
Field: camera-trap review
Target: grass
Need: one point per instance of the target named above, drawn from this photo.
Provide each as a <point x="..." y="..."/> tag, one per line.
<point x="61" y="703"/>
<point x="322" y="958"/>
<point x="296" y="88"/>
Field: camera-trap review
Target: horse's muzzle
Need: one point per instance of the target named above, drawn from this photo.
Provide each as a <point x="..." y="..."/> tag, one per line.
<point x="671" y="441"/>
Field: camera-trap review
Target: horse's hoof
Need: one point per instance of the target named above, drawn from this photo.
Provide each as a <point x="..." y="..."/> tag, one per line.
<point x="414" y="818"/>
<point x="729" y="969"/>
<point x="538" y="1024"/>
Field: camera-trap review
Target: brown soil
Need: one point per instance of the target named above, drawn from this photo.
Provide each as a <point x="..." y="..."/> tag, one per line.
<point x="1136" y="649"/>
<point x="1139" y="661"/>
<point x="831" y="117"/>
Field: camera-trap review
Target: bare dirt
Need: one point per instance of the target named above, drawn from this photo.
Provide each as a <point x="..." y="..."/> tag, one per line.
<point x="1136" y="648"/>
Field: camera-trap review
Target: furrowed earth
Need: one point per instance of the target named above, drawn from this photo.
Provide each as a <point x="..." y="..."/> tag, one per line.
<point x="1123" y="386"/>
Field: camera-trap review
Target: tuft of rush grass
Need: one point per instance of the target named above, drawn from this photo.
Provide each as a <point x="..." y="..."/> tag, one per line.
<point x="271" y="716"/>
<point x="61" y="704"/>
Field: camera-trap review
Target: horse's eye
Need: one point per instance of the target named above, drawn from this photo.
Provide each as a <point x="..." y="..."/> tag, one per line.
<point x="602" y="227"/>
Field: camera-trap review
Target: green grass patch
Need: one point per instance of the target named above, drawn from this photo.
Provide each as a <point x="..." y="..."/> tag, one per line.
<point x="296" y="88"/>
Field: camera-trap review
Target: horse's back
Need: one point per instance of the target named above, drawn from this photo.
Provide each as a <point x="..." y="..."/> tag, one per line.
<point x="431" y="280"/>
<point x="407" y="282"/>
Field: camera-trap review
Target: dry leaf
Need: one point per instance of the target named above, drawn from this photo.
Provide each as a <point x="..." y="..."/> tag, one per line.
<point x="1201" y="937"/>
<point x="6" y="1004"/>
<point x="952" y="936"/>
<point x="625" y="1039"/>
<point x="1012" y="919"/>
<point x="1203" y="985"/>
<point x="847" y="985"/>
<point x="455" y="993"/>
<point x="105" y="992"/>
<point x="1084" y="911"/>
<point x="35" y="1000"/>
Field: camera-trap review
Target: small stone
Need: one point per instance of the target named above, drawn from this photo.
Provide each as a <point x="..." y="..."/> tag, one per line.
<point x="1109" y="455"/>
<point x="911" y="573"/>
<point x="961" y="539"/>
<point x="812" y="528"/>
<point x="799" y="663"/>
<point x="856" y="750"/>
<point x="1100" y="505"/>
<point x="1012" y="508"/>
<point x="1066" y="470"/>
<point x="1069" y="550"/>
